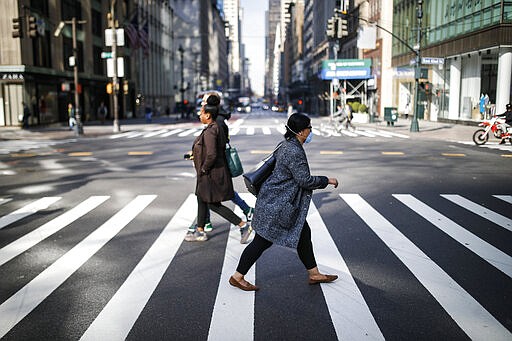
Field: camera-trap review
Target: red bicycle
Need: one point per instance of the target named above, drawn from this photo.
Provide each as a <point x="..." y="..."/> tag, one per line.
<point x="481" y="136"/>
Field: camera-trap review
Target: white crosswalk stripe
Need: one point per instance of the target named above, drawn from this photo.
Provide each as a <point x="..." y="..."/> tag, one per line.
<point x="489" y="145"/>
<point x="31" y="295"/>
<point x="27" y="210"/>
<point x="233" y="314"/>
<point x="496" y="218"/>
<point x="238" y="129"/>
<point x="476" y="322"/>
<point x="351" y="316"/>
<point x="117" y="318"/>
<point x="488" y="252"/>
<point x="232" y="304"/>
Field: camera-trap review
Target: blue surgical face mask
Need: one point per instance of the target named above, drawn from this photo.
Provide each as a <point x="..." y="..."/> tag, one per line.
<point x="309" y="138"/>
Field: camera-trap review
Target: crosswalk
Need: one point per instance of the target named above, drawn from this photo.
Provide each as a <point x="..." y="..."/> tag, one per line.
<point x="489" y="145"/>
<point x="352" y="314"/>
<point x="242" y="130"/>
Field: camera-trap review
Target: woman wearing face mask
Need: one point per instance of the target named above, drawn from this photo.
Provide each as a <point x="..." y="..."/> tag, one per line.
<point x="282" y="206"/>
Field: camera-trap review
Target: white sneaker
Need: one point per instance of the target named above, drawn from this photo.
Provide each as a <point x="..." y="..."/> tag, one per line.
<point x="196" y="236"/>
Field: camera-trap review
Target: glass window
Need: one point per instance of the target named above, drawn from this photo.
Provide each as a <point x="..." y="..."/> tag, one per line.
<point x="98" y="63"/>
<point x="96" y="23"/>
<point x="70" y="9"/>
<point x="42" y="52"/>
<point x="40" y="6"/>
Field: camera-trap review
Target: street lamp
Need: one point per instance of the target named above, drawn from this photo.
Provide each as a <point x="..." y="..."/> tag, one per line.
<point x="73" y="22"/>
<point x="417" y="69"/>
<point x="182" y="83"/>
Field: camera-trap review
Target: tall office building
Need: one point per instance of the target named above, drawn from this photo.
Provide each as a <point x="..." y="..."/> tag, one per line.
<point x="232" y="16"/>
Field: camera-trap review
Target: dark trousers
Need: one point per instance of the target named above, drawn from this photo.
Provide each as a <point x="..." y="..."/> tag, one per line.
<point x="217" y="207"/>
<point x="255" y="249"/>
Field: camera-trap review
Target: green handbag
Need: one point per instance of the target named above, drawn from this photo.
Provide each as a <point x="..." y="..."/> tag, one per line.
<point x="234" y="164"/>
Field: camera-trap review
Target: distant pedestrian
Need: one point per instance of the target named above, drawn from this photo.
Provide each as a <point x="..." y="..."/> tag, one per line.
<point x="213" y="182"/>
<point x="71" y="116"/>
<point x="26" y="115"/>
<point x="350" y="116"/>
<point x="282" y="206"/>
<point x="102" y="112"/>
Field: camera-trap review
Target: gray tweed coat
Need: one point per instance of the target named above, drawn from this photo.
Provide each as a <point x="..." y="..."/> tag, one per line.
<point x="284" y="198"/>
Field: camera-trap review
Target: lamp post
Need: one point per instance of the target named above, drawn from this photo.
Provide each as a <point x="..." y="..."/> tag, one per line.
<point x="182" y="82"/>
<point x="417" y="69"/>
<point x="73" y="22"/>
<point x="115" y="80"/>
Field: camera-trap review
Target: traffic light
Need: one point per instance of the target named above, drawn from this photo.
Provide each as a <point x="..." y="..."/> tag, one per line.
<point x="428" y="88"/>
<point x="17" y="28"/>
<point x="32" y="27"/>
<point x="109" y="88"/>
<point x="342" y="28"/>
<point x="331" y="28"/>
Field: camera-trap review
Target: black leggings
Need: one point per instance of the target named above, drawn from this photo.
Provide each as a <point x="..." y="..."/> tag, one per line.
<point x="217" y="207"/>
<point x="259" y="244"/>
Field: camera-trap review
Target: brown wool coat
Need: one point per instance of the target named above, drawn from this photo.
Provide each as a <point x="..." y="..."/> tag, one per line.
<point x="214" y="183"/>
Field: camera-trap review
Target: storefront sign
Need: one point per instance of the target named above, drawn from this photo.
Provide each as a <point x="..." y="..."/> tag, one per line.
<point x="432" y="60"/>
<point x="11" y="76"/>
<point x="346" y="69"/>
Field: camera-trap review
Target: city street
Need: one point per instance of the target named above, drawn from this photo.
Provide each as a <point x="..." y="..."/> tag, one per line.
<point x="92" y="228"/>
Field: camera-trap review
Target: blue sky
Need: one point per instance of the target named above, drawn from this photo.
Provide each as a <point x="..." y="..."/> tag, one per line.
<point x="253" y="36"/>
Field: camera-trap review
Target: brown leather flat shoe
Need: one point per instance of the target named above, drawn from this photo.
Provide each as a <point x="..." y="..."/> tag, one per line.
<point x="326" y="279"/>
<point x="244" y="287"/>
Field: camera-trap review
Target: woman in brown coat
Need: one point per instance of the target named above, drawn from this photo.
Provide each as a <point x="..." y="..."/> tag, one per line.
<point x="214" y="183"/>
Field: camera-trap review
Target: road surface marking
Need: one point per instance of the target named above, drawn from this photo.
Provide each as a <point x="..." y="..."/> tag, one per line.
<point x="27" y="210"/>
<point x="117" y="136"/>
<point x="250" y="131"/>
<point x="19" y="305"/>
<point x="140" y="153"/>
<point x="27" y="241"/>
<point x="233" y="304"/>
<point x="471" y="317"/>
<point x="482" y="211"/>
<point x="117" y="318"/>
<point x="507" y="198"/>
<point x="392" y="153"/>
<point x="453" y="154"/>
<point x="331" y="152"/>
<point x="22" y="154"/>
<point x="187" y="132"/>
<point x="172" y="132"/>
<point x="80" y="154"/>
<point x="350" y="315"/>
<point x="486" y="251"/>
<point x="154" y="133"/>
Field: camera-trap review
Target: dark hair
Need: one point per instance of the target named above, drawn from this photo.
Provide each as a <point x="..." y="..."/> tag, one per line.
<point x="212" y="105"/>
<point x="295" y="124"/>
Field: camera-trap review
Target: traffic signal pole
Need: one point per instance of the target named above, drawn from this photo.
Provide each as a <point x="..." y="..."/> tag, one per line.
<point x="417" y="70"/>
<point x="115" y="80"/>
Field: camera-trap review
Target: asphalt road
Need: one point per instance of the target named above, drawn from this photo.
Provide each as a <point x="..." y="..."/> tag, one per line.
<point x="91" y="240"/>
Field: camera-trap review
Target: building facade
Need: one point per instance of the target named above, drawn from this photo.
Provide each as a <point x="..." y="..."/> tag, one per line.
<point x="36" y="68"/>
<point x="201" y="48"/>
<point x="471" y="44"/>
